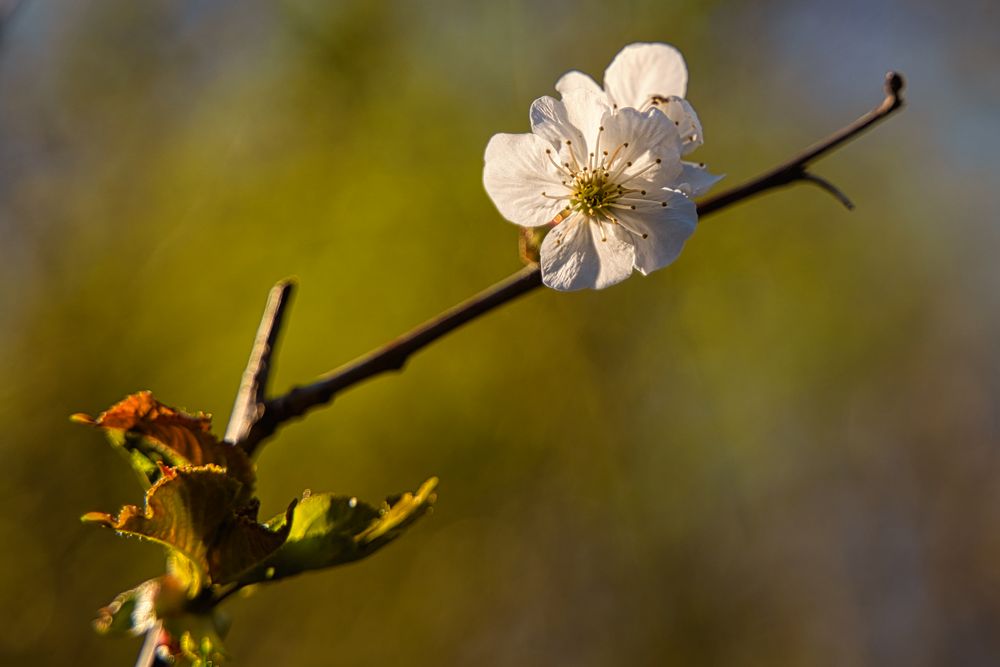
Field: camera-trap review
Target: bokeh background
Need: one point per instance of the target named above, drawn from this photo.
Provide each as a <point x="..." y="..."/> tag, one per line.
<point x="782" y="450"/>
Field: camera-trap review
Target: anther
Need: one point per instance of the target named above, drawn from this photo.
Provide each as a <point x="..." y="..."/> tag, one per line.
<point x="658" y="160"/>
<point x="663" y="204"/>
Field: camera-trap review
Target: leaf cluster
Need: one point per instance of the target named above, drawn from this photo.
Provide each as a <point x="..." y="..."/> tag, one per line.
<point x="200" y="505"/>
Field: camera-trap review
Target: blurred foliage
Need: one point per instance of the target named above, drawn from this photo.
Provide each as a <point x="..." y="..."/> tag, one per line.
<point x="781" y="450"/>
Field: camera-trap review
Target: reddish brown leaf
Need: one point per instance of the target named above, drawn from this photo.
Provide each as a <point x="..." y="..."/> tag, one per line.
<point x="195" y="510"/>
<point x="141" y="423"/>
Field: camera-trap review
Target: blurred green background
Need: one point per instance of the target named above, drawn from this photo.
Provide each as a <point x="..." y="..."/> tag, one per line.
<point x="780" y="451"/>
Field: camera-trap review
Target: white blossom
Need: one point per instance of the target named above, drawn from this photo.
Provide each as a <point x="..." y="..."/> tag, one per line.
<point x="604" y="170"/>
<point x="652" y="76"/>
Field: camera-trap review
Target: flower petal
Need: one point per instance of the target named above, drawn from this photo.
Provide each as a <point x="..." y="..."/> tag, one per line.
<point x="585" y="110"/>
<point x="516" y="175"/>
<point x="666" y="228"/>
<point x="574" y="79"/>
<point x="580" y="254"/>
<point x="695" y="180"/>
<point x="549" y="120"/>
<point x="685" y="119"/>
<point x="650" y="135"/>
<point x="643" y="70"/>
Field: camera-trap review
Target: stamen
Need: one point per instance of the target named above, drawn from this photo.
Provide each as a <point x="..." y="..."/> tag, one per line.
<point x="604" y="233"/>
<point x="597" y="147"/>
<point x="614" y="156"/>
<point x="572" y="154"/>
<point x="631" y="177"/>
<point x="548" y="154"/>
<point x="629" y="229"/>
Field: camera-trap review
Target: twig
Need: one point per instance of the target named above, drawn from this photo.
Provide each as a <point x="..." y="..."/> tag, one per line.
<point x="278" y="410"/>
<point x="147" y="654"/>
<point x="247" y="409"/>
<point x="390" y="357"/>
<point x="795" y="169"/>
<point x="250" y="398"/>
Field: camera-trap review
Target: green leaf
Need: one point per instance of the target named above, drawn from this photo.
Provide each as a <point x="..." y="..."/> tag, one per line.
<point x="151" y="433"/>
<point x="195" y="511"/>
<point x="328" y="530"/>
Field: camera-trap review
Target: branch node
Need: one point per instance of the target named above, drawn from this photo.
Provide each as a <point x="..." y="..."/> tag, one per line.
<point x="837" y="193"/>
<point x="894" y="84"/>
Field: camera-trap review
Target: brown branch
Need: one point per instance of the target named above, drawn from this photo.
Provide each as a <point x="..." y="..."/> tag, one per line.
<point x="392" y="356"/>
<point x="247" y="411"/>
<point x="250" y="398"/>
<point x="795" y="169"/>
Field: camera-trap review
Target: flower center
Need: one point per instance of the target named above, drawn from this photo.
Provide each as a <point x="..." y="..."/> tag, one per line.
<point x="592" y="192"/>
<point x="602" y="185"/>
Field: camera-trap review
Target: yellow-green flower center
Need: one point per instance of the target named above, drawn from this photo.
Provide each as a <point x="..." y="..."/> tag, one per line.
<point x="592" y="192"/>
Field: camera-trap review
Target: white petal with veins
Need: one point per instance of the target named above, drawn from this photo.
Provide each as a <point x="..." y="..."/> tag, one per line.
<point x="685" y="119"/>
<point x="666" y="227"/>
<point x="573" y="80"/>
<point x="516" y="174"/>
<point x="577" y="256"/>
<point x="643" y="70"/>
<point x="695" y="180"/>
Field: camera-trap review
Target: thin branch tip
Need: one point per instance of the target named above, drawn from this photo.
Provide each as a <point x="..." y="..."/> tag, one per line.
<point x="836" y="192"/>
<point x="894" y="84"/>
